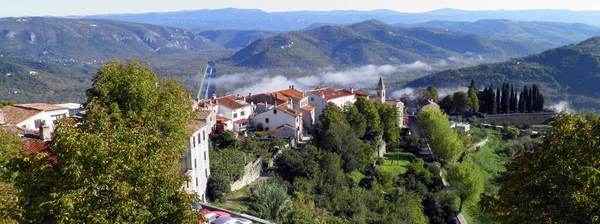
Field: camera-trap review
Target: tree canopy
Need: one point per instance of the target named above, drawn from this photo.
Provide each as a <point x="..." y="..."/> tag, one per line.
<point x="556" y="182"/>
<point x="120" y="163"/>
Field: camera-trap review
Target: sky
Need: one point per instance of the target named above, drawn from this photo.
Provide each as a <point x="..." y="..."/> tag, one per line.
<point x="15" y="8"/>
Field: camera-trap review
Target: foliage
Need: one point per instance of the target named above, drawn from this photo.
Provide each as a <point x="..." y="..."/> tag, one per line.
<point x="228" y="162"/>
<point x="434" y="93"/>
<point x="461" y="102"/>
<point x="389" y="122"/>
<point x="557" y="180"/>
<point x="129" y="130"/>
<point x="443" y="140"/>
<point x="270" y="200"/>
<point x="218" y="186"/>
<point x="227" y="139"/>
<point x="6" y="103"/>
<point x="370" y="112"/>
<point x="10" y="149"/>
<point x="466" y="181"/>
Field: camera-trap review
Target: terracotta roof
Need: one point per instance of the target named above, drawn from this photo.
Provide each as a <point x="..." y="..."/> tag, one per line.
<point x="359" y="93"/>
<point x="196" y="125"/>
<point x="230" y="103"/>
<point x="42" y="106"/>
<point x="14" y="115"/>
<point x="221" y="118"/>
<point x="393" y="102"/>
<point x="285" y="109"/>
<point x="34" y="147"/>
<point x="307" y="108"/>
<point x="241" y="121"/>
<point x="293" y="93"/>
<point x="204" y="114"/>
<point x="332" y="94"/>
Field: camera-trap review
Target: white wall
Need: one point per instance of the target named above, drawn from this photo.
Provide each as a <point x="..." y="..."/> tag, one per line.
<point x="197" y="163"/>
<point x="45" y="116"/>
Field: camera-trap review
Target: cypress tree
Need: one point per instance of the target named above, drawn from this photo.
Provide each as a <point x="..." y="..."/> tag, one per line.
<point x="522" y="102"/>
<point x="505" y="98"/>
<point x="525" y="99"/>
<point x="498" y="100"/>
<point x="511" y="106"/>
<point x="530" y="101"/>
<point x="483" y="100"/>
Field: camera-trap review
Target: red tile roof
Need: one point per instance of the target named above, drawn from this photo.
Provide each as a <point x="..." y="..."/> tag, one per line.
<point x="221" y="118"/>
<point x="308" y="108"/>
<point x="331" y="94"/>
<point x="241" y="121"/>
<point x="230" y="102"/>
<point x="285" y="109"/>
<point x="42" y="106"/>
<point x="292" y="93"/>
<point x="14" y="115"/>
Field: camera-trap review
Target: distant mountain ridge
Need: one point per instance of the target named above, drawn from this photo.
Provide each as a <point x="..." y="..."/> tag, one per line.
<point x="550" y="34"/>
<point x="88" y="40"/>
<point x="371" y="42"/>
<point x="232" y="39"/>
<point x="571" y="72"/>
<point x="253" y="19"/>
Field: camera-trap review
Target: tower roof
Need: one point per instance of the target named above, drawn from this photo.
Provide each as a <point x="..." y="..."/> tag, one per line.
<point x="381" y="85"/>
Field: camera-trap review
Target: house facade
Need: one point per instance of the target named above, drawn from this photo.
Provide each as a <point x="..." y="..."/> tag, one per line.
<point x="278" y="116"/>
<point x="32" y="116"/>
<point x="319" y="99"/>
<point x="196" y="163"/>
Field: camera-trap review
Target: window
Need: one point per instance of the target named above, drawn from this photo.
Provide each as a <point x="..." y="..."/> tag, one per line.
<point x="204" y="155"/>
<point x="194" y="142"/>
<point x="195" y="164"/>
<point x="266" y="120"/>
<point x="235" y="115"/>
<point x="242" y="113"/>
<point x="274" y="111"/>
<point x="203" y="135"/>
<point x="312" y="99"/>
<point x="206" y="173"/>
<point x="187" y="184"/>
<point x="199" y="139"/>
<point x="196" y="181"/>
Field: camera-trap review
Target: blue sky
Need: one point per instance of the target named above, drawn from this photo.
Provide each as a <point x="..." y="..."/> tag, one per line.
<point x="89" y="7"/>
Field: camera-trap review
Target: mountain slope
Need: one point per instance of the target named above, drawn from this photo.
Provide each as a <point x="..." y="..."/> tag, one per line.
<point x="371" y="42"/>
<point x="236" y="38"/>
<point x="551" y="34"/>
<point x="26" y="80"/>
<point x="89" y="40"/>
<point x="571" y="71"/>
<point x="252" y="19"/>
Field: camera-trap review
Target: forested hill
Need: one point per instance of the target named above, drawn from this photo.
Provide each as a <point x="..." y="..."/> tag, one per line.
<point x="27" y="80"/>
<point x="372" y="42"/>
<point x="568" y="70"/>
<point x="89" y="40"/>
<point x="236" y="38"/>
<point x="543" y="34"/>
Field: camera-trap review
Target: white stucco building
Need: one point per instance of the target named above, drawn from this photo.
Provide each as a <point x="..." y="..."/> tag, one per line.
<point x="196" y="163"/>
<point x="281" y="118"/>
<point x="231" y="111"/>
<point x="31" y="116"/>
<point x="319" y="98"/>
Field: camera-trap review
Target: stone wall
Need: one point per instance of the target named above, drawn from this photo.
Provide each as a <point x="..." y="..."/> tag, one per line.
<point x="518" y="119"/>
<point x="251" y="173"/>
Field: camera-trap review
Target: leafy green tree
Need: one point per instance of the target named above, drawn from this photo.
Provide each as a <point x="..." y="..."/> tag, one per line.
<point x="6" y="103"/>
<point x="389" y="123"/>
<point x="466" y="180"/>
<point x="120" y="163"/>
<point x="461" y="101"/>
<point x="218" y="187"/>
<point x="270" y="200"/>
<point x="228" y="163"/>
<point x="227" y="139"/>
<point x="10" y="149"/>
<point x="293" y="164"/>
<point x="558" y="180"/>
<point x="443" y="140"/>
<point x="591" y="116"/>
<point x="433" y="92"/>
<point x="356" y="120"/>
<point x="369" y="111"/>
<point x="447" y="103"/>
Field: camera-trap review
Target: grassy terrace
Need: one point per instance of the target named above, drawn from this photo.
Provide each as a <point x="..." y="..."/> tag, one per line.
<point x="396" y="162"/>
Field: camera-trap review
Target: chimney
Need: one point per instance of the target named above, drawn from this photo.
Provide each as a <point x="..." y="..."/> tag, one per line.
<point x="238" y="96"/>
<point x="1" y="117"/>
<point x="45" y="132"/>
<point x="352" y="90"/>
<point x="249" y="94"/>
<point x="292" y="87"/>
